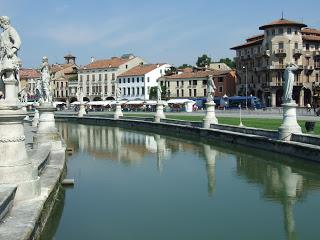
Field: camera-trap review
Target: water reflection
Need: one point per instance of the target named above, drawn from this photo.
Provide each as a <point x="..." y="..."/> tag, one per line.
<point x="281" y="181"/>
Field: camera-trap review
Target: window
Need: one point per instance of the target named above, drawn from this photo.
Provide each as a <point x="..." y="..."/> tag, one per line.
<point x="128" y="80"/>
<point x="220" y="89"/>
<point x="126" y="66"/>
<point x="124" y="91"/>
<point x="105" y="89"/>
<point x="132" y="80"/>
<point x="124" y="80"/>
<point x="273" y="32"/>
<point x="148" y="79"/>
<point x="204" y="82"/>
<point x="194" y="92"/>
<point x="177" y="92"/>
<point x="280" y="30"/>
<point x="182" y="83"/>
<point x="128" y="91"/>
<point x="138" y="79"/>
<point x="296" y="45"/>
<point x="81" y="78"/>
<point x="220" y="79"/>
<point x="182" y="93"/>
<point x="142" y="90"/>
<point x="317" y="77"/>
<point x="142" y="79"/>
<point x="100" y="77"/>
<point x="194" y="82"/>
<point x="190" y="84"/>
<point x="133" y="91"/>
<point x="113" y="76"/>
<point x="93" y="89"/>
<point x="204" y="92"/>
<point x="267" y="32"/>
<point x="106" y="77"/>
<point x="177" y="83"/>
<point x="138" y="91"/>
<point x="296" y="32"/>
<point x="119" y="80"/>
<point x="88" y="90"/>
<point x="280" y="45"/>
<point x="281" y="61"/>
<point x="93" y="77"/>
<point x="57" y="84"/>
<point x="190" y="93"/>
<point x="289" y="30"/>
<point x="87" y="77"/>
<point x="307" y="46"/>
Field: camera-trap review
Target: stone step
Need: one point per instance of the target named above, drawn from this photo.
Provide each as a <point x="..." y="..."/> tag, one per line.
<point x="7" y="193"/>
<point x="39" y="157"/>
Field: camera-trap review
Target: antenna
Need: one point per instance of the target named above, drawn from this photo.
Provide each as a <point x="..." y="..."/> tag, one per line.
<point x="282" y="15"/>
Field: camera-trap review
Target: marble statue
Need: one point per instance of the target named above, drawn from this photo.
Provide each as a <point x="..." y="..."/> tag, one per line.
<point x="118" y="93"/>
<point x="80" y="96"/>
<point x="24" y="95"/>
<point x="46" y="81"/>
<point x="289" y="80"/>
<point x="211" y="88"/>
<point x="159" y="92"/>
<point x="9" y="45"/>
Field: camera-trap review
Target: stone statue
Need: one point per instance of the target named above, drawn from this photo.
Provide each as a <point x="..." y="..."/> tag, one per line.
<point x="9" y="62"/>
<point x="80" y="96"/>
<point x="289" y="80"/>
<point x="118" y="93"/>
<point x="159" y="92"/>
<point x="24" y="96"/>
<point x="211" y="88"/>
<point x="46" y="81"/>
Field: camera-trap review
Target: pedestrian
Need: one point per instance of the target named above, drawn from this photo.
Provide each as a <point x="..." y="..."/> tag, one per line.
<point x="308" y="107"/>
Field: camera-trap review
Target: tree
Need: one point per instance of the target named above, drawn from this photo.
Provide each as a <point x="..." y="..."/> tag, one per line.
<point x="170" y="71"/>
<point x="154" y="91"/>
<point x="203" y="61"/>
<point x="229" y="62"/>
<point x="185" y="65"/>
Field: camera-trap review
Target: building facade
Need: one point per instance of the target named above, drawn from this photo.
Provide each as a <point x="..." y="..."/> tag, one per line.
<point x="136" y="83"/>
<point x="62" y="75"/>
<point x="28" y="81"/>
<point x="97" y="79"/>
<point x="193" y="84"/>
<point x="262" y="59"/>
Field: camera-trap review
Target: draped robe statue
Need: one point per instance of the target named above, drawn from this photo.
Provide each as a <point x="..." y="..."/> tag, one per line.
<point x="211" y="88"/>
<point x="289" y="81"/>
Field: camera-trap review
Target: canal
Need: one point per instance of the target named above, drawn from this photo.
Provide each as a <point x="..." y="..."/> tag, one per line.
<point x="139" y="185"/>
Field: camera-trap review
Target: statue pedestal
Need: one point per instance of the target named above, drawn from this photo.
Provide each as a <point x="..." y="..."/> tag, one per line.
<point x="11" y="96"/>
<point x="82" y="110"/>
<point x="47" y="132"/>
<point x="15" y="166"/>
<point x="159" y="112"/>
<point x="210" y="117"/>
<point x="118" y="113"/>
<point x="290" y="124"/>
<point x="35" y="120"/>
<point x="25" y="110"/>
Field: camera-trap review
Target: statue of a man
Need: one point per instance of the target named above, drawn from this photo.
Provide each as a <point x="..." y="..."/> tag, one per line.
<point x="159" y="91"/>
<point x="211" y="88"/>
<point x="46" y="80"/>
<point x="10" y="43"/>
<point x="288" y="84"/>
<point x="80" y="96"/>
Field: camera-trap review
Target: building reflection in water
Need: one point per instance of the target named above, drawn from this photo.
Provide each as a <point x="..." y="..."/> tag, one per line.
<point x="279" y="181"/>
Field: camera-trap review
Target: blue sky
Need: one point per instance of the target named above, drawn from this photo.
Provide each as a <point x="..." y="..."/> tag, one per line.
<point x="159" y="31"/>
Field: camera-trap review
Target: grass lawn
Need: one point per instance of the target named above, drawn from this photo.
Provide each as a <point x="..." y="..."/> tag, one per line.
<point x="264" y="123"/>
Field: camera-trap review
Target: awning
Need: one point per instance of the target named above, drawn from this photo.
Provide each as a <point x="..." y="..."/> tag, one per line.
<point x="180" y="101"/>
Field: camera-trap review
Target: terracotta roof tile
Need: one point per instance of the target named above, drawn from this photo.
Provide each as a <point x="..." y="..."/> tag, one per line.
<point x="106" y="63"/>
<point x="311" y="38"/>
<point x="310" y="31"/>
<point x="140" y="70"/>
<point x="248" y="44"/>
<point x="29" y="73"/>
<point x="255" y="37"/>
<point x="198" y="74"/>
<point x="282" y="22"/>
<point x="58" y="67"/>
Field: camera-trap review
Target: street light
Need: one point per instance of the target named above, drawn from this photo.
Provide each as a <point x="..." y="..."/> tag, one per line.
<point x="244" y="67"/>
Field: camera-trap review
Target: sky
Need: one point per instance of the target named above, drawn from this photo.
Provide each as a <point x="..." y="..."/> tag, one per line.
<point x="172" y="31"/>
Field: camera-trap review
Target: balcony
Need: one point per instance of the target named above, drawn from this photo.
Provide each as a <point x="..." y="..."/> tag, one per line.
<point x="316" y="53"/>
<point x="317" y="65"/>
<point x="277" y="67"/>
<point x="297" y="52"/>
<point x="308" y="69"/>
<point x="307" y="54"/>
<point x="280" y="52"/>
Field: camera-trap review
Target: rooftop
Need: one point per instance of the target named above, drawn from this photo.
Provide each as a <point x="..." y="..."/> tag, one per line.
<point x="29" y="73"/>
<point x="282" y="22"/>
<point x="114" y="62"/>
<point x="141" y="70"/>
<point x="198" y="74"/>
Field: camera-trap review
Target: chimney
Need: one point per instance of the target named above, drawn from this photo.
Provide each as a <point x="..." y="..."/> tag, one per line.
<point x="92" y="59"/>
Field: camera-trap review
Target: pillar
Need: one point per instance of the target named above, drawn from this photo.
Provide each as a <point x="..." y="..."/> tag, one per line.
<point x="273" y="98"/>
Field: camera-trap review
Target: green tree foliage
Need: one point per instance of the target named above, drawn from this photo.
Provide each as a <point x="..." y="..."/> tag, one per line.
<point x="153" y="93"/>
<point x="228" y="61"/>
<point x="203" y="61"/>
<point x="185" y="65"/>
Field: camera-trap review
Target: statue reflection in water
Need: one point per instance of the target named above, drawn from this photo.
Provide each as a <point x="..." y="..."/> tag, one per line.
<point x="280" y="184"/>
<point x="210" y="155"/>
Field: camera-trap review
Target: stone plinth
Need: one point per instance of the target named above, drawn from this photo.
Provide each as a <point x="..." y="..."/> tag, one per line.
<point x="289" y="124"/>
<point x="210" y="117"/>
<point x="15" y="166"/>
<point x="35" y="120"/>
<point x="118" y="113"/>
<point x="47" y="132"/>
<point x="82" y="110"/>
<point x="159" y="112"/>
<point x="27" y="116"/>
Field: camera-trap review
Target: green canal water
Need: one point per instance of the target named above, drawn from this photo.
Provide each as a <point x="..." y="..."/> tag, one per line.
<point x="138" y="185"/>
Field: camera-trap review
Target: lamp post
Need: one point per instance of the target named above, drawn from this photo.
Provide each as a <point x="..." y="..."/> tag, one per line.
<point x="244" y="67"/>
